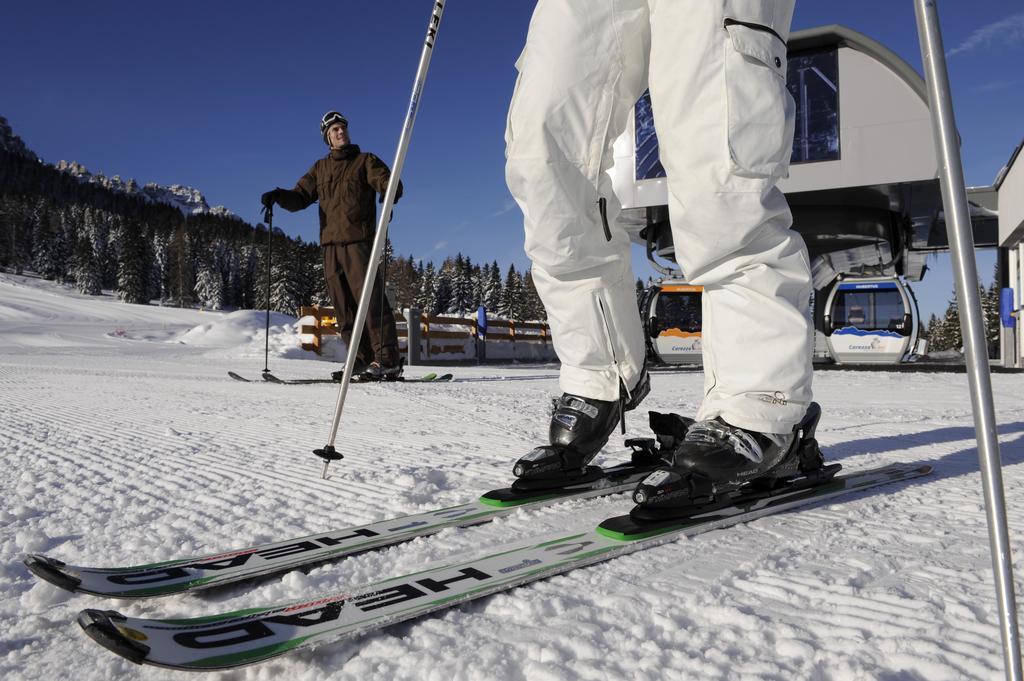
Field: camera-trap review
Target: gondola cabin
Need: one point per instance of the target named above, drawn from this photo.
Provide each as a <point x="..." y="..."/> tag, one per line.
<point x="871" y="321"/>
<point x="672" y="314"/>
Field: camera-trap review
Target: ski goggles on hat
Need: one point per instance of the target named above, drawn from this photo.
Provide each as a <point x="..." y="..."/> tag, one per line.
<point x="331" y="118"/>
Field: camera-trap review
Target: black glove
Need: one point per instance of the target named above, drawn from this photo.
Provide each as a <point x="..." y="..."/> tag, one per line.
<point x="268" y="199"/>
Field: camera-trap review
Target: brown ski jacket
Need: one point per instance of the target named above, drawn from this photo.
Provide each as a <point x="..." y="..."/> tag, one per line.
<point x="346" y="183"/>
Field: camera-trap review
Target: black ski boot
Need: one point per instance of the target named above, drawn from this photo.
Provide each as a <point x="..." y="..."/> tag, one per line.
<point x="359" y="368"/>
<point x="579" y="428"/>
<point x="716" y="462"/>
<point x="378" y="372"/>
<point x="382" y="371"/>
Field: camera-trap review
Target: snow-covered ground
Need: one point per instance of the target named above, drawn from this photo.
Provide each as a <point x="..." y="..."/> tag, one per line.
<point x="123" y="441"/>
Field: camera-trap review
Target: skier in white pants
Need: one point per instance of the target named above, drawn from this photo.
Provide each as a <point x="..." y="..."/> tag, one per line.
<point x="724" y="119"/>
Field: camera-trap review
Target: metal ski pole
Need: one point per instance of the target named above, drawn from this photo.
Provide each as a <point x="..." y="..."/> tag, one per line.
<point x="270" y="260"/>
<point x="383" y="296"/>
<point x="961" y="242"/>
<point x="328" y="453"/>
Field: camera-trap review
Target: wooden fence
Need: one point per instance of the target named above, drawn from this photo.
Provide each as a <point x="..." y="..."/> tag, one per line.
<point x="468" y="340"/>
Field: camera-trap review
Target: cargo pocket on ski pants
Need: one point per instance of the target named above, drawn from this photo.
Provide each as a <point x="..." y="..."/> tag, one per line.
<point x="760" y="109"/>
<point x="509" y="135"/>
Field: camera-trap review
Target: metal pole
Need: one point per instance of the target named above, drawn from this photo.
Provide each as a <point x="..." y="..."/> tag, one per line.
<point x="383" y="296"/>
<point x="961" y="241"/>
<point x="270" y="260"/>
<point x="328" y="453"/>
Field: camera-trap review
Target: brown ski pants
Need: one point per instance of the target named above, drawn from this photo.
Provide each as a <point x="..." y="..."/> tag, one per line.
<point x="345" y="267"/>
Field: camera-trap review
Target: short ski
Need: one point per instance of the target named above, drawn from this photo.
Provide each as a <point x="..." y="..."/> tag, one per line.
<point x="256" y="634"/>
<point x="175" y="576"/>
<point x="425" y="378"/>
<point x="270" y="378"/>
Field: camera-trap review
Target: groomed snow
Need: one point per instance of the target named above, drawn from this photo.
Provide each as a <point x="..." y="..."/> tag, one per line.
<point x="123" y="441"/>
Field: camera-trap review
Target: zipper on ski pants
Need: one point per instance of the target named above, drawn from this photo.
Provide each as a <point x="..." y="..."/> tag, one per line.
<point x="602" y="207"/>
<point x="618" y="369"/>
<point x="753" y="27"/>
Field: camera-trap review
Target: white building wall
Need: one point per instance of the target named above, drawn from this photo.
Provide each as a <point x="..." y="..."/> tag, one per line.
<point x="885" y="136"/>
<point x="885" y="131"/>
<point x="1011" y="204"/>
<point x="1011" y="237"/>
<point x="1009" y="339"/>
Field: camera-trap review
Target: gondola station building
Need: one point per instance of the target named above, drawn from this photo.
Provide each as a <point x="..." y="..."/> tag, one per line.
<point x="865" y="196"/>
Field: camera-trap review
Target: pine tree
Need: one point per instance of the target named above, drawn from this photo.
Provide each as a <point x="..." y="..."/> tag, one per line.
<point x="493" y="289"/>
<point x="49" y="243"/>
<point x="462" y="286"/>
<point x="181" y="274"/>
<point x="478" y="282"/>
<point x="133" y="268"/>
<point x="86" y="269"/>
<point x="990" y="310"/>
<point x="444" y="299"/>
<point x="512" y="296"/>
<point x="285" y="295"/>
<point x="15" y="236"/>
<point x="209" y="287"/>
<point x="533" y="307"/>
<point x="99" y="228"/>
<point x="161" y="246"/>
<point x="72" y="221"/>
<point x="403" y="280"/>
<point x="289" y="285"/>
<point x="8" y="236"/>
<point x="945" y="334"/>
<point x="321" y="296"/>
<point x="931" y="331"/>
<point x="248" y="258"/>
<point x="308" y="277"/>
<point x="949" y="336"/>
<point x="428" y="287"/>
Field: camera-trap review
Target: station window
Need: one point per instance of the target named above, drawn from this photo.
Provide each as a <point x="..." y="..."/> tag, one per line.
<point x="813" y="81"/>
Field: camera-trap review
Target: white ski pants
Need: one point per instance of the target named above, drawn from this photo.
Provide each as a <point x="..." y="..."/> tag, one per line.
<point x="716" y="71"/>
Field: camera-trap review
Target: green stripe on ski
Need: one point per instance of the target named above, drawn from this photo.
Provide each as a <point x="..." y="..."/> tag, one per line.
<point x="561" y="540"/>
<point x="622" y="536"/>
<point x="498" y="503"/>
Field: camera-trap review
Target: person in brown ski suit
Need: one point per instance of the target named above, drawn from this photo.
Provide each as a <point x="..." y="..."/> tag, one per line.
<point x="346" y="183"/>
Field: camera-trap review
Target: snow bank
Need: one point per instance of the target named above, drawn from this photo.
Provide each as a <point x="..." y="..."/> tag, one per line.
<point x="240" y="328"/>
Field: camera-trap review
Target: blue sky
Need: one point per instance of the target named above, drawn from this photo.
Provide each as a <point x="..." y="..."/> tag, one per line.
<point x="227" y="97"/>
